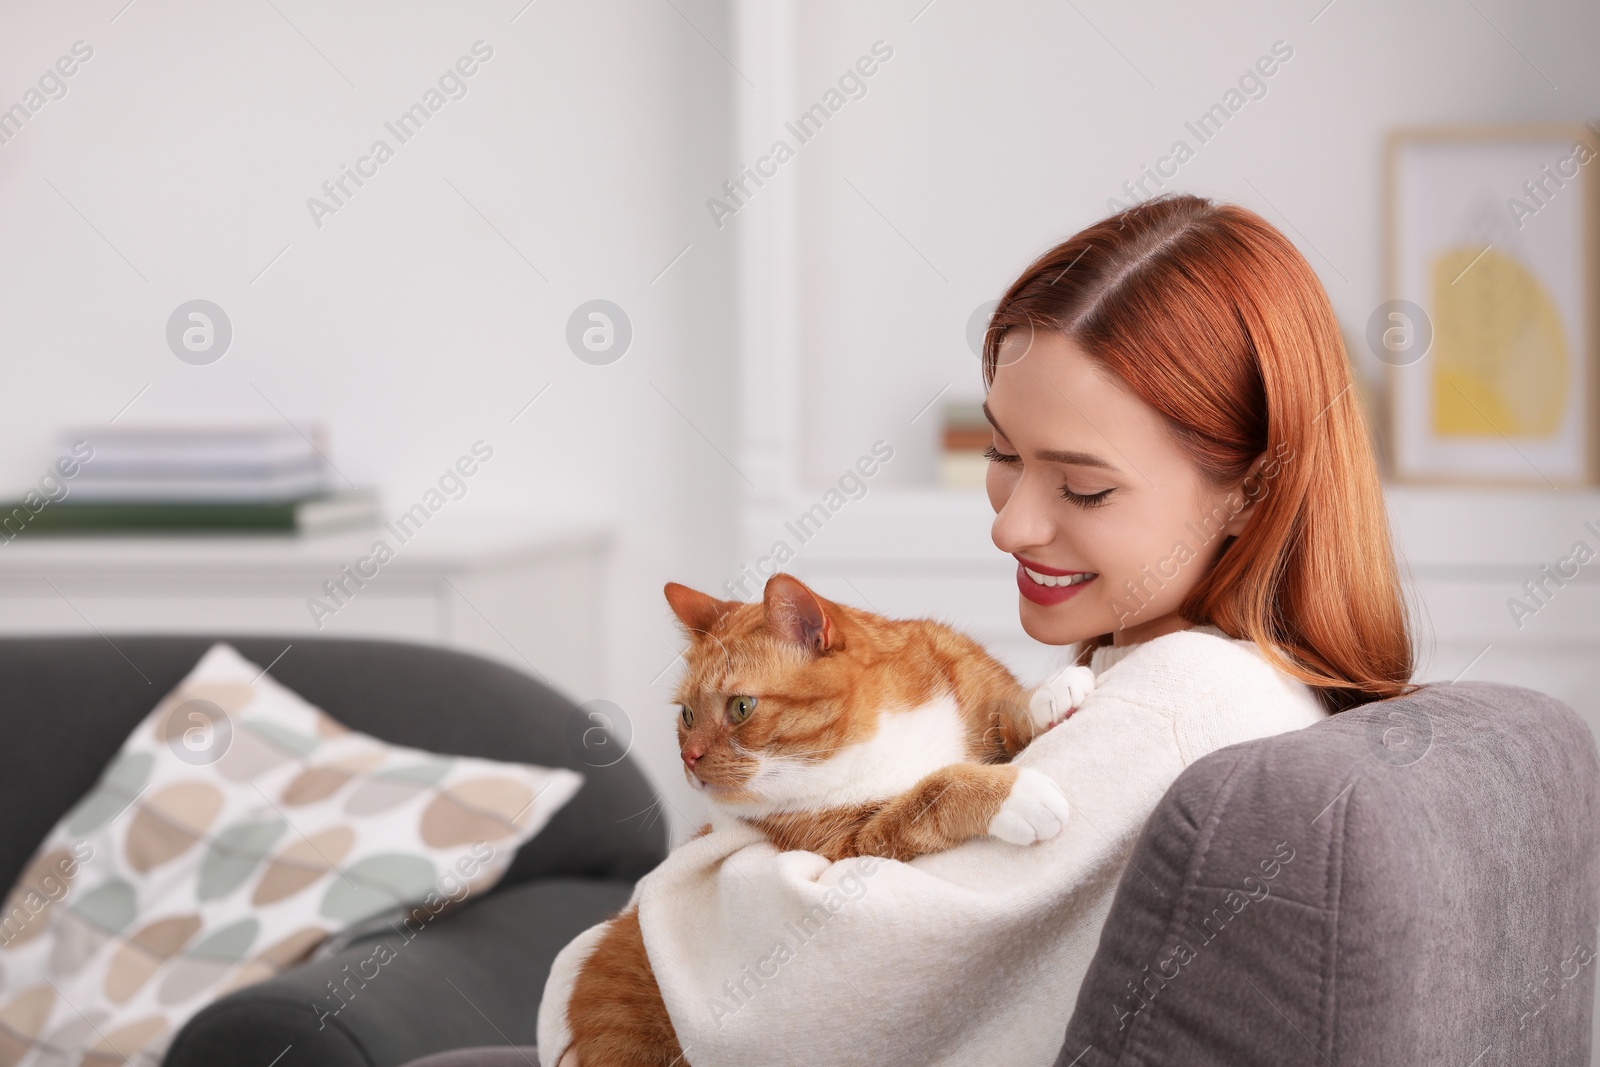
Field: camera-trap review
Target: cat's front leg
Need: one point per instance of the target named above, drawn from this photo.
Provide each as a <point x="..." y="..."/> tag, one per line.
<point x="961" y="801"/>
<point x="1060" y="695"/>
<point x="1035" y="810"/>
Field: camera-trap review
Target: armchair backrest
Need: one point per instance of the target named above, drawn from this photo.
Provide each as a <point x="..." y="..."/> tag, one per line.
<point x="1412" y="881"/>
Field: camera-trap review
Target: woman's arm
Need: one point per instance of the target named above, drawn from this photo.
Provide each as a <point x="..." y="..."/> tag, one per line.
<point x="973" y="954"/>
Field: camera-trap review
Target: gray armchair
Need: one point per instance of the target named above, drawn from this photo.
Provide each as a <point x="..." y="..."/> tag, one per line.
<point x="1440" y="905"/>
<point x="476" y="978"/>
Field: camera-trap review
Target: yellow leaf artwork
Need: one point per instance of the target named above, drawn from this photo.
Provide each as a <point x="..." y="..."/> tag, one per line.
<point x="1501" y="363"/>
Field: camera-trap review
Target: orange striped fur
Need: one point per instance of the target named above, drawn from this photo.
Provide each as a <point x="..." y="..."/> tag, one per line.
<point x="868" y="736"/>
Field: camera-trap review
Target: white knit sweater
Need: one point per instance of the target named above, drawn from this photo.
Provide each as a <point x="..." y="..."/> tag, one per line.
<point x="968" y="956"/>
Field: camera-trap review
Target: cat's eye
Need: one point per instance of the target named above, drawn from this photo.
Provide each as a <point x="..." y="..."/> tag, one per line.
<point x="740" y="707"/>
<point x="687" y="716"/>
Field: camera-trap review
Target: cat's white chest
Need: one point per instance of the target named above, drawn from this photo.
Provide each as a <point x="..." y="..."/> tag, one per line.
<point x="908" y="744"/>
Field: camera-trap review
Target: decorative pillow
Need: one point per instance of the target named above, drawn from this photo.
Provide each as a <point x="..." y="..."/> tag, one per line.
<point x="236" y="829"/>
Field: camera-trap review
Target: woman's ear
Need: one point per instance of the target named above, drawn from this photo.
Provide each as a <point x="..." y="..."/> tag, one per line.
<point x="1244" y="496"/>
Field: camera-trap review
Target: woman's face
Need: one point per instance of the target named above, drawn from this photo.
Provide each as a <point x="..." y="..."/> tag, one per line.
<point x="1110" y="521"/>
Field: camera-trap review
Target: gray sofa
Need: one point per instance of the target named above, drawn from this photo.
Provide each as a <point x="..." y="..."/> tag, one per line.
<point x="67" y="703"/>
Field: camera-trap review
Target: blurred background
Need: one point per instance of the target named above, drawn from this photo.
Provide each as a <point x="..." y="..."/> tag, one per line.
<point x="578" y="327"/>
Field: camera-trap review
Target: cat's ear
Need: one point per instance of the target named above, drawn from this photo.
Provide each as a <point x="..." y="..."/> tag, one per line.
<point x="796" y="614"/>
<point x="697" y="611"/>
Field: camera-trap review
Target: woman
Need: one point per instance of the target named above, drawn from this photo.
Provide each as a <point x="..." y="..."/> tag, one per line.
<point x="1183" y="474"/>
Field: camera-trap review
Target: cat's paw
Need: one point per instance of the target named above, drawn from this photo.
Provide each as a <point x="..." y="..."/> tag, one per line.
<point x="1059" y="696"/>
<point x="1035" y="810"/>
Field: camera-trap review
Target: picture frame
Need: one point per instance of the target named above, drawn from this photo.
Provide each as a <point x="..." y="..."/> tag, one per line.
<point x="1491" y="325"/>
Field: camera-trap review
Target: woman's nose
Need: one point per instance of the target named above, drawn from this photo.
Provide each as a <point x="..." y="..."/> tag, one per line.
<point x="1023" y="520"/>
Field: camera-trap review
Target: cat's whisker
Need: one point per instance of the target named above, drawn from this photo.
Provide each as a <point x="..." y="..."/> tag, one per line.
<point x="653" y="806"/>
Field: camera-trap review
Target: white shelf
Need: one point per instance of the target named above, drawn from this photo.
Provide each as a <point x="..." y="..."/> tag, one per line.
<point x="1491" y="530"/>
<point x="524" y="591"/>
<point x="445" y="544"/>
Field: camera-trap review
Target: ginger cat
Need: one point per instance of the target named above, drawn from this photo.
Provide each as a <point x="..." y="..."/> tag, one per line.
<point x="835" y="731"/>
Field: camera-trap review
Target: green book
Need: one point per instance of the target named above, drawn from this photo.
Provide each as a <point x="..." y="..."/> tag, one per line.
<point x="310" y="515"/>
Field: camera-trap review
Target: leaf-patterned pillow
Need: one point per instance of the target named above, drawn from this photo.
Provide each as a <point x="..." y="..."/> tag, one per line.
<point x="236" y="829"/>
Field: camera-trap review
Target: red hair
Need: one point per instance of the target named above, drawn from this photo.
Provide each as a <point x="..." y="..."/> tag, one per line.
<point x="1215" y="320"/>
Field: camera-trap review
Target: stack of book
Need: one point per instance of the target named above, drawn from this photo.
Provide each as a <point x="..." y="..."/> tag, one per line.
<point x="151" y="479"/>
<point x="966" y="433"/>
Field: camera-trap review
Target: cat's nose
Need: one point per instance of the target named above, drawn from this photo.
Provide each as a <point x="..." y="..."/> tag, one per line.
<point x="692" y="756"/>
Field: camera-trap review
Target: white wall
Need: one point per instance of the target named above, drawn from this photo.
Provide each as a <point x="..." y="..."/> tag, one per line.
<point x="191" y="141"/>
<point x="999" y="129"/>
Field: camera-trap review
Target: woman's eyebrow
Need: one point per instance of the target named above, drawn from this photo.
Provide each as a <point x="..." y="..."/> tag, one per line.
<point x="1080" y="459"/>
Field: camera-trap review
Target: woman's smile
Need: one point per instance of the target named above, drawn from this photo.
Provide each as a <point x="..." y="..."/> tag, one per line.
<point x="1049" y="585"/>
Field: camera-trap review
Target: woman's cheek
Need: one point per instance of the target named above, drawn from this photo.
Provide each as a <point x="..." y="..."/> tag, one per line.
<point x="1119" y="552"/>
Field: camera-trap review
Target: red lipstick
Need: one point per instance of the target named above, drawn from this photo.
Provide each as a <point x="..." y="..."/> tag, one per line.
<point x="1043" y="594"/>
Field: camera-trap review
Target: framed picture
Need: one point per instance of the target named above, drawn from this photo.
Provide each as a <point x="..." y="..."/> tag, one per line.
<point x="1489" y="329"/>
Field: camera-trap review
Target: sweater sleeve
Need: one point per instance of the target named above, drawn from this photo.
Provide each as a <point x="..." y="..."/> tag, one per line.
<point x="970" y="955"/>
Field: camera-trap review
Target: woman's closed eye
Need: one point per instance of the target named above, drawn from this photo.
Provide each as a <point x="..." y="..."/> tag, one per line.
<point x="1083" y="500"/>
<point x="994" y="455"/>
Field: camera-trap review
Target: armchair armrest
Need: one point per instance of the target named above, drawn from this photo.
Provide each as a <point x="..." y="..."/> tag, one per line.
<point x="469" y="978"/>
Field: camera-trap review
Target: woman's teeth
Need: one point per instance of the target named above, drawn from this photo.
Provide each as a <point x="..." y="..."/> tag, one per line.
<point x="1053" y="580"/>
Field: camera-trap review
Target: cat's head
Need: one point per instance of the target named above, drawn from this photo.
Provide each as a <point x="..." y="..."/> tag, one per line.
<point x="774" y="688"/>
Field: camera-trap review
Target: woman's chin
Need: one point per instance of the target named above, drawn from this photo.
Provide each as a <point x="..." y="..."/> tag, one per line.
<point x="1057" y="624"/>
